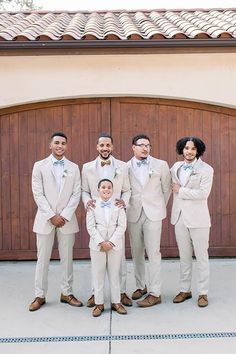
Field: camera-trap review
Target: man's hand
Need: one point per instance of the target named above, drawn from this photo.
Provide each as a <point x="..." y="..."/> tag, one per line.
<point x="120" y="203"/>
<point x="58" y="221"/>
<point x="175" y="187"/>
<point x="91" y="204"/>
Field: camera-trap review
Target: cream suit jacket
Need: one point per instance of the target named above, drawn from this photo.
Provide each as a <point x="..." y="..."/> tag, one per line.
<point x="50" y="202"/>
<point x="100" y="230"/>
<point x="154" y="196"/>
<point x="191" y="200"/>
<point x="90" y="179"/>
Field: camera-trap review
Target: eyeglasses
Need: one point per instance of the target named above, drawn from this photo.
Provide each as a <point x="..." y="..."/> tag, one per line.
<point x="142" y="146"/>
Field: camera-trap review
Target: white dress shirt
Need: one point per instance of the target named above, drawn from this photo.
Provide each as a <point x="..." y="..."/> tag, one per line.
<point x="58" y="171"/>
<point x="142" y="172"/>
<point x="106" y="171"/>
<point x="183" y="174"/>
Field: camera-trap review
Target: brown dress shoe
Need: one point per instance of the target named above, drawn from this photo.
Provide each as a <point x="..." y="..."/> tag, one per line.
<point x="37" y="303"/>
<point x="150" y="300"/>
<point x="202" y="301"/>
<point x="97" y="311"/>
<point x="119" y="309"/>
<point x="125" y="300"/>
<point x="71" y="300"/>
<point x="137" y="294"/>
<point x="91" y="301"/>
<point x="181" y="297"/>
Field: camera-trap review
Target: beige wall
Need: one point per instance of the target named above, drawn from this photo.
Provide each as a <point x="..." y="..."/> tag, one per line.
<point x="209" y="78"/>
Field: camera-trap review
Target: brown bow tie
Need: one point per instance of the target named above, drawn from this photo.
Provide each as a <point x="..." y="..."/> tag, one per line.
<point x="105" y="162"/>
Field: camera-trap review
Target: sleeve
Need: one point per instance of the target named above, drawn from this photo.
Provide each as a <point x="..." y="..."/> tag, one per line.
<point x="126" y="190"/>
<point x="166" y="181"/>
<point x="86" y="193"/>
<point x="38" y="193"/>
<point x="120" y="227"/>
<point x="200" y="192"/>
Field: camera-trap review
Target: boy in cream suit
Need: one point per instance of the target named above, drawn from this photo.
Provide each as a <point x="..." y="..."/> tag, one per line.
<point x="191" y="184"/>
<point x="106" y="225"/>
<point x="106" y="166"/>
<point x="150" y="185"/>
<point x="56" y="187"/>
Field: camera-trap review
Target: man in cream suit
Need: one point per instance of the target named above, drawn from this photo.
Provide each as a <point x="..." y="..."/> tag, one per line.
<point x="106" y="166"/>
<point x="56" y="187"/>
<point x="191" y="185"/>
<point x="106" y="225"/>
<point x="150" y="185"/>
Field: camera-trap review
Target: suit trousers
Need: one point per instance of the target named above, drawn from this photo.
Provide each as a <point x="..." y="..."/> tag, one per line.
<point x="103" y="262"/>
<point x="146" y="234"/>
<point x="189" y="239"/>
<point x="44" y="251"/>
<point x="122" y="273"/>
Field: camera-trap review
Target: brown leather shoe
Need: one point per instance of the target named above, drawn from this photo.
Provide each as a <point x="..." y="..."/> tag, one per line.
<point x="37" y="303"/>
<point x="119" y="309"/>
<point x="137" y="294"/>
<point x="71" y="300"/>
<point x="91" y="301"/>
<point x="181" y="297"/>
<point x="97" y="311"/>
<point x="149" y="300"/>
<point x="125" y="300"/>
<point x="202" y="301"/>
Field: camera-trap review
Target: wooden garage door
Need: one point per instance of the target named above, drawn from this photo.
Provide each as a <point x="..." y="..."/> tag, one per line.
<point x="25" y="139"/>
<point x="166" y="121"/>
<point x="25" y="132"/>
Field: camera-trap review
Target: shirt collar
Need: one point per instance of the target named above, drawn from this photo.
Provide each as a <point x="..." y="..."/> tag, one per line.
<point x="54" y="159"/>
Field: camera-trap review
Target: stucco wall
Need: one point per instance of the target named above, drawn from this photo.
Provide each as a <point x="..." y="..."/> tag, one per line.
<point x="209" y="78"/>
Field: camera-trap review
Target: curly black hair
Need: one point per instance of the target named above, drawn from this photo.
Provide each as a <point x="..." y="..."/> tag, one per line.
<point x="198" y="143"/>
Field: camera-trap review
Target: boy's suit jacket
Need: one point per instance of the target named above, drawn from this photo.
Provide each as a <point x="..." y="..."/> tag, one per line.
<point x="100" y="230"/>
<point x="191" y="200"/>
<point x="90" y="179"/>
<point x="152" y="197"/>
<point x="50" y="201"/>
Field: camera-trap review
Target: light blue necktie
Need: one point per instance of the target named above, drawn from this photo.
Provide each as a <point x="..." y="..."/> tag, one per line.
<point x="142" y="162"/>
<point x="59" y="163"/>
<point x="187" y="166"/>
<point x="106" y="204"/>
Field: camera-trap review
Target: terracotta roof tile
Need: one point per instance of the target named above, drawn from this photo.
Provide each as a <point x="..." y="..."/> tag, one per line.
<point x="118" y="25"/>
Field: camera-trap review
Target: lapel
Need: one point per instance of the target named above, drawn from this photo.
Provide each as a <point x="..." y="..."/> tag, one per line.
<point x="64" y="176"/>
<point x="94" y="173"/>
<point x="150" y="167"/>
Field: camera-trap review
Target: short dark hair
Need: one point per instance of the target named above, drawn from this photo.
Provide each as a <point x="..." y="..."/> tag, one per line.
<point x="104" y="180"/>
<point x="198" y="143"/>
<point x="59" y="134"/>
<point x="105" y="135"/>
<point x="139" y="136"/>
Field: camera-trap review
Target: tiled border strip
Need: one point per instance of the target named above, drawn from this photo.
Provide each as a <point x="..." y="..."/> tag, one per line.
<point x="119" y="337"/>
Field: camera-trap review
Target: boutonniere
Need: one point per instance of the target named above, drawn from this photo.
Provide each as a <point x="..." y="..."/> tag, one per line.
<point x="65" y="174"/>
<point x="193" y="172"/>
<point x="117" y="172"/>
<point x="151" y="172"/>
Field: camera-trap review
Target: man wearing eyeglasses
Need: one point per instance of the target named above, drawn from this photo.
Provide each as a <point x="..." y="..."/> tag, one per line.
<point x="150" y="182"/>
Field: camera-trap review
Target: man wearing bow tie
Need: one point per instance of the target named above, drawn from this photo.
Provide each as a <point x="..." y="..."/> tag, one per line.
<point x="191" y="184"/>
<point x="150" y="185"/>
<point x="106" y="166"/>
<point x="56" y="187"/>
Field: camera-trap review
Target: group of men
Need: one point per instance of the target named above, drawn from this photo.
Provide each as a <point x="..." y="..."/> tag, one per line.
<point x="142" y="187"/>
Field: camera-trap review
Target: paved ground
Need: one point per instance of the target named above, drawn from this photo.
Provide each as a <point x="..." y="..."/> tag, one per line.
<point x="167" y="328"/>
